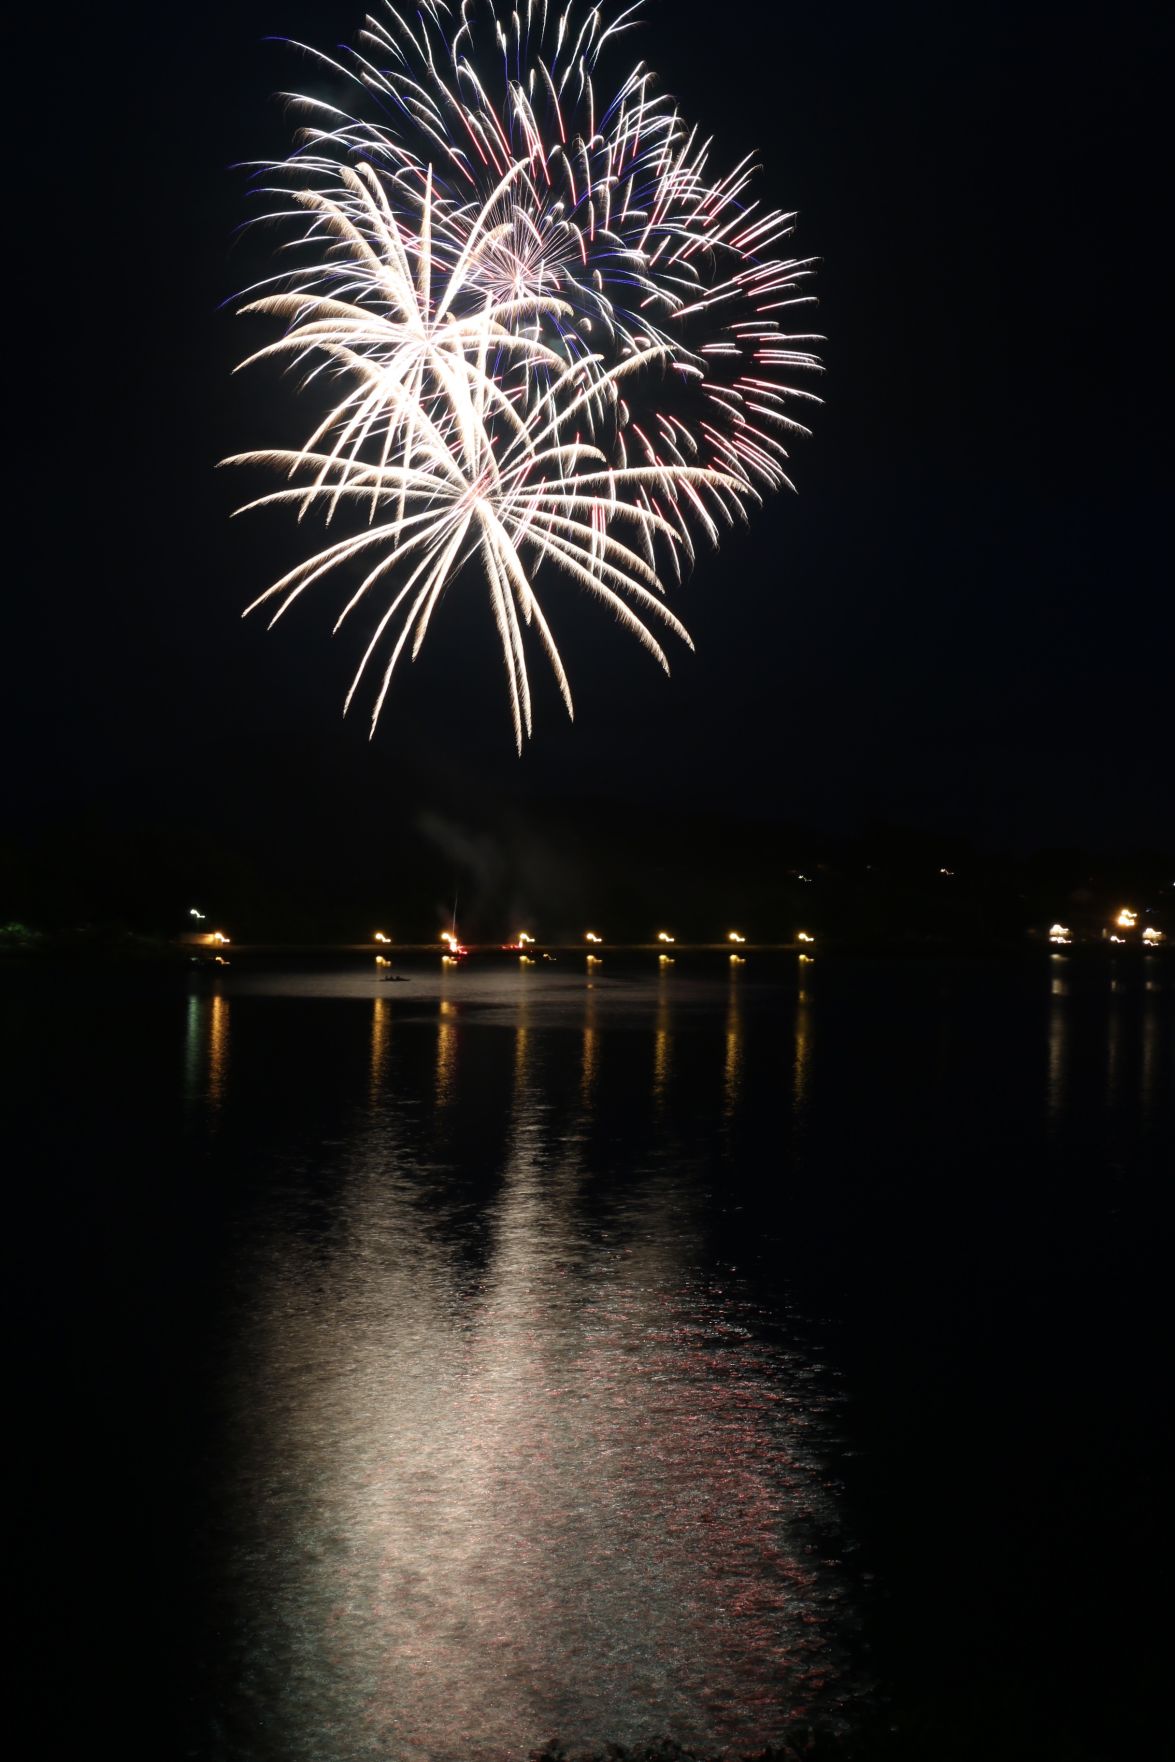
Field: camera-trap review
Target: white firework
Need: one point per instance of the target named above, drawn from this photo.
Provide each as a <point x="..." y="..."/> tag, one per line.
<point x="556" y="339"/>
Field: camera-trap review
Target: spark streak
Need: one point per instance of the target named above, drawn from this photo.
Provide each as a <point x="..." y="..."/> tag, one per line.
<point x="547" y="329"/>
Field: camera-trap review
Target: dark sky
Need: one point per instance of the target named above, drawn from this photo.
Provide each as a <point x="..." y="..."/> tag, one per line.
<point x="960" y="622"/>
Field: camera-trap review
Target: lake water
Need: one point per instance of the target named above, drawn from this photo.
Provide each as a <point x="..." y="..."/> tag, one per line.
<point x="430" y="1371"/>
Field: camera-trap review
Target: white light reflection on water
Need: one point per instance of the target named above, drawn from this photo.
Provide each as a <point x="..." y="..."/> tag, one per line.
<point x="550" y="1479"/>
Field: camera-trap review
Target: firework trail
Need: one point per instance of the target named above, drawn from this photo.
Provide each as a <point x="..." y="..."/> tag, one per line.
<point x="551" y="336"/>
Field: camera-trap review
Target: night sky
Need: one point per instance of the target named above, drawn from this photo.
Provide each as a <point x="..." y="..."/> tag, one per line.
<point x="960" y="624"/>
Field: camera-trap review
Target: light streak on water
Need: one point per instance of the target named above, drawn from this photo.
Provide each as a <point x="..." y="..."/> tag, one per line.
<point x="534" y="1474"/>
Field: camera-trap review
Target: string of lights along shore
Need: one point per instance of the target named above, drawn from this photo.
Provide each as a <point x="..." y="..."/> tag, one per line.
<point x="559" y="337"/>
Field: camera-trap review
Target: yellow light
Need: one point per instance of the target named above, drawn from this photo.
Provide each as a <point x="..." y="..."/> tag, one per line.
<point x="592" y="937"/>
<point x="664" y="936"/>
<point x="733" y="936"/>
<point x="1126" y="919"/>
<point x="1117" y="938"/>
<point x="666" y="960"/>
<point x="738" y="960"/>
<point x="522" y="939"/>
<point x="380" y="937"/>
<point x="218" y="936"/>
<point x="593" y="960"/>
<point x="806" y="960"/>
<point x="803" y="936"/>
<point x="1151" y="935"/>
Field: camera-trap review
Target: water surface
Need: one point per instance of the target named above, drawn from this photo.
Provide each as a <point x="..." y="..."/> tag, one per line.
<point x="704" y="1351"/>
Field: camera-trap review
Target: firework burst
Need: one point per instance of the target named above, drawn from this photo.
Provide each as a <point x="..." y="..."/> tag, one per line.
<point x="551" y="337"/>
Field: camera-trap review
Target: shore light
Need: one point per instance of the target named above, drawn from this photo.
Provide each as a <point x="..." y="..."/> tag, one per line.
<point x="733" y="936"/>
<point x="1151" y="936"/>
<point x="592" y="937"/>
<point x="380" y="937"/>
<point x="1126" y="919"/>
<point x="802" y="936"/>
<point x="193" y="913"/>
<point x="219" y="937"/>
<point x="1059" y="933"/>
<point x="664" y="936"/>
